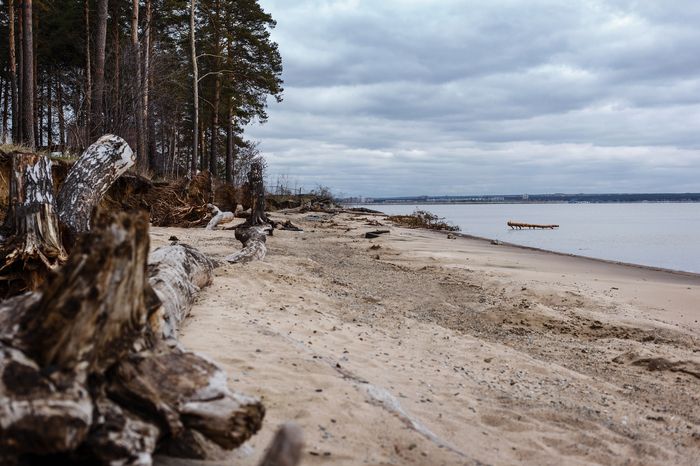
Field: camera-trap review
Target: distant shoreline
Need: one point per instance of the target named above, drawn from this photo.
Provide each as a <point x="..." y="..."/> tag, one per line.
<point x="549" y="251"/>
<point x="538" y="202"/>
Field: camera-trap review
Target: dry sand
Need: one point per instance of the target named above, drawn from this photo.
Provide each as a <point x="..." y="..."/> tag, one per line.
<point x="416" y="349"/>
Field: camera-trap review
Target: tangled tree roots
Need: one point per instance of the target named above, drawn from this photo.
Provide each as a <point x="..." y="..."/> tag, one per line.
<point x="181" y="204"/>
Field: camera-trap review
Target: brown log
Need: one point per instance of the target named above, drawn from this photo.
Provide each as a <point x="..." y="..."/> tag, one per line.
<point x="89" y="178"/>
<point x="34" y="246"/>
<point x="119" y="436"/>
<point x="185" y="391"/>
<point x="98" y="306"/>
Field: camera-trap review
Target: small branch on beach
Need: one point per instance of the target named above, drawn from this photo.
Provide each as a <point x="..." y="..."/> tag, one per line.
<point x="219" y="217"/>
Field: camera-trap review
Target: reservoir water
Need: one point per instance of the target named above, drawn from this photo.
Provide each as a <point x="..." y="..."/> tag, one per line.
<point x="663" y="235"/>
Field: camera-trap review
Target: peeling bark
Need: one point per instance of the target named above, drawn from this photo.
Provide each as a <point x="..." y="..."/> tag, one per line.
<point x="176" y="273"/>
<point x="253" y="239"/>
<point x="91" y="176"/>
<point x="34" y="246"/>
<point x="219" y="217"/>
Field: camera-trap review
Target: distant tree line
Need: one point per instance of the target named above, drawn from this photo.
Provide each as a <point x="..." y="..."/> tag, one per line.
<point x="178" y="80"/>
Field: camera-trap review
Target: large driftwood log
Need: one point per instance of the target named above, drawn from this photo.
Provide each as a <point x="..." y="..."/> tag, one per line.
<point x="177" y="273"/>
<point x="85" y="370"/>
<point x="34" y="246"/>
<point x="89" y="178"/>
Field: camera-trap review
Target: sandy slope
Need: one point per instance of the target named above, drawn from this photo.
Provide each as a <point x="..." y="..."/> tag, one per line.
<point x="416" y="349"/>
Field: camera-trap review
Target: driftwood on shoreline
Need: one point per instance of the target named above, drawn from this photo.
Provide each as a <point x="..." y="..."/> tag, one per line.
<point x="252" y="232"/>
<point x="93" y="338"/>
<point x="90" y="367"/>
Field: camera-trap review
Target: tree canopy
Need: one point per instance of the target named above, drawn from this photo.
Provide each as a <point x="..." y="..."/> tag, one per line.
<point x="124" y="67"/>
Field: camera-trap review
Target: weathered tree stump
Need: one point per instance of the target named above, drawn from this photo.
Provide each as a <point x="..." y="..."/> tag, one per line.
<point x="34" y="245"/>
<point x="252" y="232"/>
<point x="87" y="372"/>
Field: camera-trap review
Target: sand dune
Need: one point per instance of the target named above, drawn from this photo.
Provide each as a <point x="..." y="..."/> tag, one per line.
<point x="412" y="348"/>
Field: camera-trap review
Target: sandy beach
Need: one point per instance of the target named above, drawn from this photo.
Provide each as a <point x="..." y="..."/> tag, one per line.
<point x="413" y="348"/>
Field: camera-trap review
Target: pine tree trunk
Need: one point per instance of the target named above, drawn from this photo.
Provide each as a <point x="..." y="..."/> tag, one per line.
<point x="88" y="74"/>
<point x="61" y="119"/>
<point x="13" y="73"/>
<point x="19" y="39"/>
<point x="230" y="143"/>
<point x="140" y="139"/>
<point x="27" y="76"/>
<point x="97" y="121"/>
<point x="4" y="111"/>
<point x="214" y="153"/>
<point x="195" y="92"/>
<point x="49" y="112"/>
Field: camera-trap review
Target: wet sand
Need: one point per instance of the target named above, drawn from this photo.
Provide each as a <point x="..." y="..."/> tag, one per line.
<point x="412" y="348"/>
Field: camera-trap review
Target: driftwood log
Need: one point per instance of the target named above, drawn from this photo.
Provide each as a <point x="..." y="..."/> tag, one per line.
<point x="252" y="232"/>
<point x="87" y="372"/>
<point x="218" y="217"/>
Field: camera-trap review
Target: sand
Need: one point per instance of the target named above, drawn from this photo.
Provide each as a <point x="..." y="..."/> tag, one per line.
<point x="413" y="348"/>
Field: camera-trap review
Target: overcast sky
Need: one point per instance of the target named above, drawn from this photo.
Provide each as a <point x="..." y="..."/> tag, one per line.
<point x="413" y="97"/>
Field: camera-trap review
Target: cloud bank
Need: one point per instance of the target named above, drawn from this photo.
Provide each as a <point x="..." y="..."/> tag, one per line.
<point x="416" y="97"/>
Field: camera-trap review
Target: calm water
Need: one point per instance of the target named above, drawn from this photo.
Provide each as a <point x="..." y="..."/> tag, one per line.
<point x="659" y="235"/>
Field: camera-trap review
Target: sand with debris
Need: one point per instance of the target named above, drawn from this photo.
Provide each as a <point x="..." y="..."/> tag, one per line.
<point x="413" y="348"/>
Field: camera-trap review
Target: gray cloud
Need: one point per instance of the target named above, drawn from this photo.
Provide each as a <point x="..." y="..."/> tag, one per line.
<point x="471" y="97"/>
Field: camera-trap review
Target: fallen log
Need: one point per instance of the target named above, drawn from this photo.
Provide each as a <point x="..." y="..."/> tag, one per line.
<point x="89" y="178"/>
<point x="87" y="372"/>
<point x="253" y="239"/>
<point x="177" y="273"/>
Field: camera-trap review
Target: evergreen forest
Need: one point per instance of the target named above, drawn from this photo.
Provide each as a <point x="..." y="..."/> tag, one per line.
<point x="178" y="80"/>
